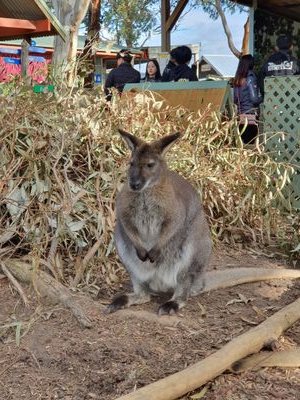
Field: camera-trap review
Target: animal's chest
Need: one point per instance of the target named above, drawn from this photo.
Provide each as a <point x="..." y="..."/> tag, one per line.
<point x="148" y="219"/>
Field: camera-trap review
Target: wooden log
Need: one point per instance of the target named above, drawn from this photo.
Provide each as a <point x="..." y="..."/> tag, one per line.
<point x="48" y="287"/>
<point x="284" y="359"/>
<point x="191" y="378"/>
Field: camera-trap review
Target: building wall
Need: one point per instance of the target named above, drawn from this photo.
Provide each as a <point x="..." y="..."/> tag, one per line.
<point x="206" y="70"/>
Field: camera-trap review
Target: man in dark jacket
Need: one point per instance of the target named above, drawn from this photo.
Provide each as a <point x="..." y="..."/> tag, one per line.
<point x="166" y="76"/>
<point x="280" y="63"/>
<point x="182" y="55"/>
<point x="124" y="73"/>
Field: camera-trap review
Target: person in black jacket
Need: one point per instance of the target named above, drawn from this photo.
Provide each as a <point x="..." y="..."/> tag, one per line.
<point x="280" y="63"/>
<point x="166" y="76"/>
<point x="247" y="97"/>
<point x="124" y="73"/>
<point x="182" y="55"/>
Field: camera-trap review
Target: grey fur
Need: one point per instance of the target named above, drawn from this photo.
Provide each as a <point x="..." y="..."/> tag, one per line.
<point x="161" y="234"/>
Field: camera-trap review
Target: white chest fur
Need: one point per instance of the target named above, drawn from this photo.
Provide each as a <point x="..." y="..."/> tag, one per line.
<point x="148" y="219"/>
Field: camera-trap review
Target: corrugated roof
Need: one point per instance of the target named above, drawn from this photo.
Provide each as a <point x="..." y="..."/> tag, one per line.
<point x="31" y="10"/>
<point x="224" y="64"/>
<point x="20" y="9"/>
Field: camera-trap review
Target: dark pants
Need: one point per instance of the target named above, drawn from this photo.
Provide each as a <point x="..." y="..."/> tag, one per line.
<point x="249" y="134"/>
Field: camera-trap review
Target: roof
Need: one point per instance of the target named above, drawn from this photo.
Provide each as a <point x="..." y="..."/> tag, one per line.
<point x="31" y="12"/>
<point x="224" y="64"/>
<point x="47" y="42"/>
<point x="286" y="8"/>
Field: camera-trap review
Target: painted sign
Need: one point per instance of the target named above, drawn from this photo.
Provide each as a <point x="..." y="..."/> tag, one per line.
<point x="10" y="60"/>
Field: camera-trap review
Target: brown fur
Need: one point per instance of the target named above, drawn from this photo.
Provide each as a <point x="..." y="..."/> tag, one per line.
<point x="161" y="234"/>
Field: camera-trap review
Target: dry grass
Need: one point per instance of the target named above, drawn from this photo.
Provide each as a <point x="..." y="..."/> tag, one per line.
<point x="62" y="162"/>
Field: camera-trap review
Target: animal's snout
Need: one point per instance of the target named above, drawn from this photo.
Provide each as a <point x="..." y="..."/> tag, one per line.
<point x="136" y="184"/>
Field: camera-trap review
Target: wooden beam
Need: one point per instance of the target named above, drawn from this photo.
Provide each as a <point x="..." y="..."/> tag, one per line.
<point x="165" y="33"/>
<point x="10" y="32"/>
<point x="42" y="25"/>
<point x="12" y="23"/>
<point x="176" y="14"/>
<point x="52" y="18"/>
<point x="12" y="27"/>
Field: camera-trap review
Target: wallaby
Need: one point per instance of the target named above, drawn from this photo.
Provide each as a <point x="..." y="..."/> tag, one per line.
<point x="161" y="234"/>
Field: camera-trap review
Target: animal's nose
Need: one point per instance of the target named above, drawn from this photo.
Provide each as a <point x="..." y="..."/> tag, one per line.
<point x="136" y="185"/>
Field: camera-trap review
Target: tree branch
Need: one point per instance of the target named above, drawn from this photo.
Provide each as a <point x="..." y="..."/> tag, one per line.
<point x="228" y="33"/>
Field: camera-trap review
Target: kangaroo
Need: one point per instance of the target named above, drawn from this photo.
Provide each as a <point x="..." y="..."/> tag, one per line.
<point x="161" y="233"/>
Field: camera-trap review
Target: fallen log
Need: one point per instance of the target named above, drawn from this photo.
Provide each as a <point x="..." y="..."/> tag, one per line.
<point x="236" y="276"/>
<point x="191" y="378"/>
<point x="48" y="287"/>
<point x="284" y="359"/>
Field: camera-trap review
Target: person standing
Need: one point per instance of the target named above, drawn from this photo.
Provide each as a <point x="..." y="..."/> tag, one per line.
<point x="247" y="98"/>
<point x="124" y="73"/>
<point x="281" y="62"/>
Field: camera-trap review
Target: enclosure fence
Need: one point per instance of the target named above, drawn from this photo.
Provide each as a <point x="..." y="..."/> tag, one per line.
<point x="281" y="116"/>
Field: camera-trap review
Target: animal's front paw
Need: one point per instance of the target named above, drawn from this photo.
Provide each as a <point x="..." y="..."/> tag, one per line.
<point x="142" y="254"/>
<point x="118" y="302"/>
<point x="168" y="308"/>
<point x="154" y="254"/>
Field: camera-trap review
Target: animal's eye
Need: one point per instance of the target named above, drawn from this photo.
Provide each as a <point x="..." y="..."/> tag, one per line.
<point x="150" y="164"/>
<point x="131" y="163"/>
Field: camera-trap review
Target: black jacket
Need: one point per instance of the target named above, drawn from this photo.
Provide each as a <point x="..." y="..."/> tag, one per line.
<point x="247" y="97"/>
<point x="281" y="63"/>
<point x="182" y="73"/>
<point x="118" y="77"/>
<point x="167" y="71"/>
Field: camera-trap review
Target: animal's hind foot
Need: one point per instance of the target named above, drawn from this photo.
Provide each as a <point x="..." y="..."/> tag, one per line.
<point x="119" y="302"/>
<point x="126" y="300"/>
<point x="169" y="308"/>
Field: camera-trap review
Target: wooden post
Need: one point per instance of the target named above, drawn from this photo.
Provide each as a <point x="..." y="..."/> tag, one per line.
<point x="25" y="60"/>
<point x="165" y="33"/>
<point x="168" y="21"/>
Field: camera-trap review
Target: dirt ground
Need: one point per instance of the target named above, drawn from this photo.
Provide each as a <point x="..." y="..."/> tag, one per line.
<point x="47" y="355"/>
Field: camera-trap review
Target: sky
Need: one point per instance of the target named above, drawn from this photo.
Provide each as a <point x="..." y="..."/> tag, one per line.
<point x="196" y="27"/>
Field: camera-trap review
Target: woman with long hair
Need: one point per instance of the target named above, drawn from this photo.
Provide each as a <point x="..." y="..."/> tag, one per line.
<point x="247" y="98"/>
<point x="153" y="71"/>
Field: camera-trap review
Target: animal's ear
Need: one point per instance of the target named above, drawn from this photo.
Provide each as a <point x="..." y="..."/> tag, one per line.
<point x="164" y="144"/>
<point x="131" y="141"/>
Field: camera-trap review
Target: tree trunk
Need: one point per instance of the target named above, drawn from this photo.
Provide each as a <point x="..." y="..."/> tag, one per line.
<point x="25" y="61"/>
<point x="70" y="13"/>
<point x="245" y="45"/>
<point x="92" y="41"/>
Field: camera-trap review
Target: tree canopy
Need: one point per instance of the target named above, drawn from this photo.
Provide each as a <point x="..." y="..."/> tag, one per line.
<point x="129" y="20"/>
